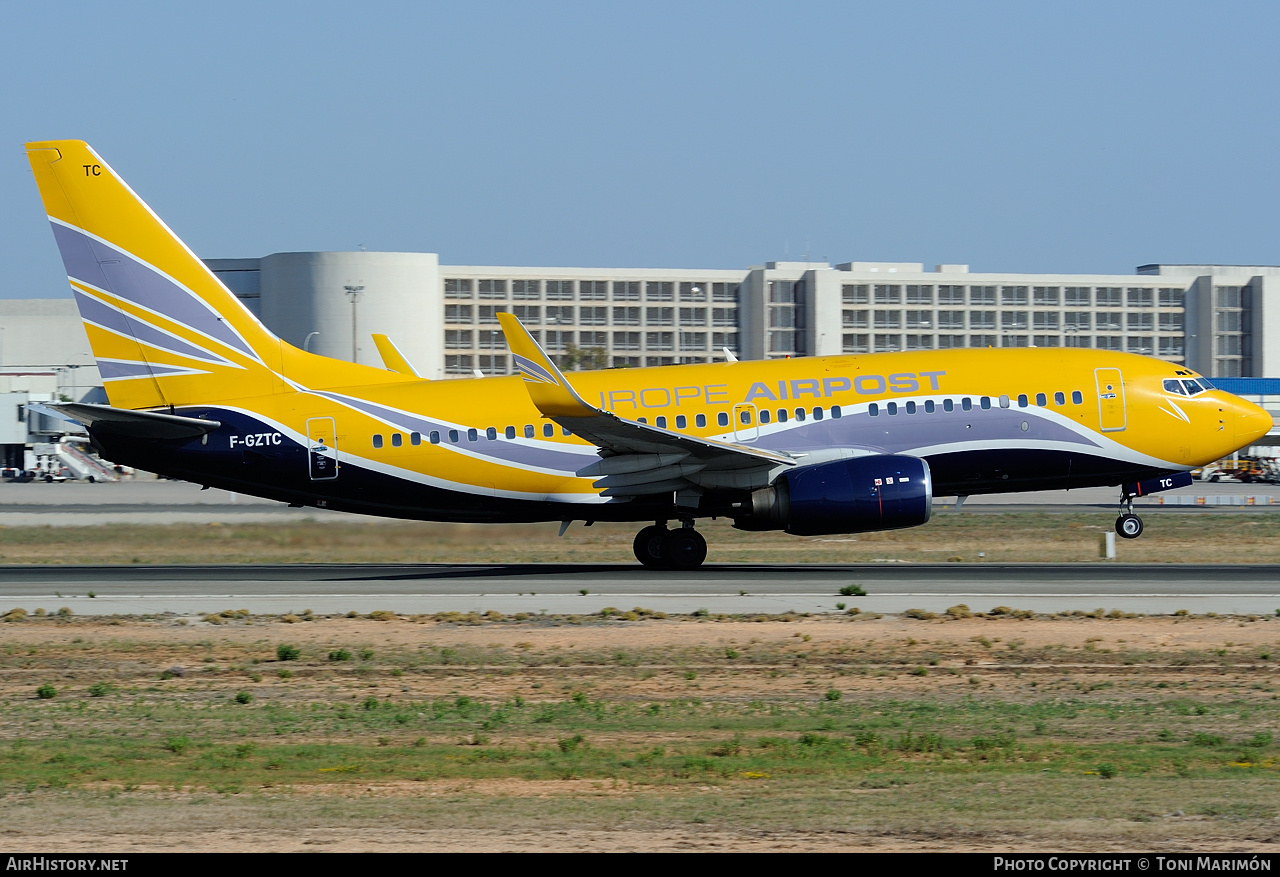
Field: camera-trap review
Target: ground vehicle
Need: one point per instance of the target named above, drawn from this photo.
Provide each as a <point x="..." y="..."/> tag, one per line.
<point x="201" y="390"/>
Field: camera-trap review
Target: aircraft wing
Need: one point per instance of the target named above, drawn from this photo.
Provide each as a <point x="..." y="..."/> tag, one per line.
<point x="637" y="459"/>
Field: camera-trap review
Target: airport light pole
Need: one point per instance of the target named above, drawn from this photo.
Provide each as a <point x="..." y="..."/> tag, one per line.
<point x="353" y="295"/>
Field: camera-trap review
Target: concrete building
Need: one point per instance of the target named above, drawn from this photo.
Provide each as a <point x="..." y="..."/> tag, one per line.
<point x="1221" y="320"/>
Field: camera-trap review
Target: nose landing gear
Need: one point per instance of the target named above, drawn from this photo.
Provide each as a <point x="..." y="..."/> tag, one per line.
<point x="659" y="548"/>
<point x="1128" y="525"/>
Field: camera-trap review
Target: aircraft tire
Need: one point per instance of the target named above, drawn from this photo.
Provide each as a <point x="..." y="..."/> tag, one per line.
<point x="1129" y="526"/>
<point x="648" y="546"/>
<point x="684" y="549"/>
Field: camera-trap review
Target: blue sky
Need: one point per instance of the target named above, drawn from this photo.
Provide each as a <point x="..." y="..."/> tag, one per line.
<point x="1016" y="136"/>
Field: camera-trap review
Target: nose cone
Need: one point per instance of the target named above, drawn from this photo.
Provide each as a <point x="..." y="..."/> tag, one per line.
<point x="1252" y="422"/>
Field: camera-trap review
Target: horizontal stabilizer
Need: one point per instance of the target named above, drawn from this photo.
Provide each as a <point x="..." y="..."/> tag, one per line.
<point x="134" y="424"/>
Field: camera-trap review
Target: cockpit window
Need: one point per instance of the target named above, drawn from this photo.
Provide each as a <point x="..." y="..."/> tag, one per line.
<point x="1194" y="387"/>
<point x="1172" y="386"/>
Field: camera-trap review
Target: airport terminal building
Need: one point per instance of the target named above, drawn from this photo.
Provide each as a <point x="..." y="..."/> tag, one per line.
<point x="1221" y="320"/>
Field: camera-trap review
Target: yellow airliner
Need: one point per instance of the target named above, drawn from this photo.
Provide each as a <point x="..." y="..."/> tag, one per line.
<point x="201" y="390"/>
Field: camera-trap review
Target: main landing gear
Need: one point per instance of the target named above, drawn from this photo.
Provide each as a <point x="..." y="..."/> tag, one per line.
<point x="659" y="548"/>
<point x="1128" y="525"/>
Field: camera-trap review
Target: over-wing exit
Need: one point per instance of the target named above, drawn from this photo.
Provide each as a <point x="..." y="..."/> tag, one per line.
<point x="200" y="390"/>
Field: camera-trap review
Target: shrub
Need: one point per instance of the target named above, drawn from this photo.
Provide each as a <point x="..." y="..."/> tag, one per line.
<point x="960" y="610"/>
<point x="65" y="612"/>
<point x="369" y="703"/>
<point x="244" y="697"/>
<point x="46" y="691"/>
<point x="570" y="744"/>
<point x="832" y="695"/>
<point x="1106" y="771"/>
<point x="177" y="745"/>
<point x="1202" y="739"/>
<point x="852" y="591"/>
<point x="18" y="614"/>
<point x="99" y="689"/>
<point x="922" y="614"/>
<point x="286" y="652"/>
<point x="284" y="673"/>
<point x="382" y="615"/>
<point x="339" y="655"/>
<point x="366" y="654"/>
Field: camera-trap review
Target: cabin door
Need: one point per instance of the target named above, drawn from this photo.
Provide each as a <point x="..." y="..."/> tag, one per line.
<point x="746" y="426"/>
<point x="1111" y="413"/>
<point x="322" y="448"/>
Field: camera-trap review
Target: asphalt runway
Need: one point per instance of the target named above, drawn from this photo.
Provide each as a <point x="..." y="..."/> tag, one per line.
<point x="717" y="588"/>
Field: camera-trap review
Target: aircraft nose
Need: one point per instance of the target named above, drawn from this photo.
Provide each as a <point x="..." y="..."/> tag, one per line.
<point x="1252" y="423"/>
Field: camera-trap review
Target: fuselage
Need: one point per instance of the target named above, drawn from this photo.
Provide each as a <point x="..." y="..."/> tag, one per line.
<point x="986" y="421"/>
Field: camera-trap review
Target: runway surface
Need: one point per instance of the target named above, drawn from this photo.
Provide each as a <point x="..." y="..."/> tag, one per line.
<point x="587" y="588"/>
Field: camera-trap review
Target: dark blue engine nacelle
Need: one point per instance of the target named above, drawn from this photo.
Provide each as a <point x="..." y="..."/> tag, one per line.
<point x="878" y="492"/>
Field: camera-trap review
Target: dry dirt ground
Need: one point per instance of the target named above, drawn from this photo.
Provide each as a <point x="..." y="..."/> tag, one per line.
<point x="1226" y="667"/>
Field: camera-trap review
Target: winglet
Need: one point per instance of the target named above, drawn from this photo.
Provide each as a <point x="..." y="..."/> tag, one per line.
<point x="547" y="386"/>
<point x="392" y="358"/>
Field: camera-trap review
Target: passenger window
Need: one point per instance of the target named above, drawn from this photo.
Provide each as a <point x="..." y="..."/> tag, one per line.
<point x="700" y="420"/>
<point x="764" y="415"/>
<point x="836" y="413"/>
<point x="643" y="419"/>
<point x="722" y="419"/>
<point x="509" y="432"/>
<point x="782" y="415"/>
<point x="985" y="402"/>
<point x="1022" y="401"/>
<point x="967" y="404"/>
<point x="799" y="414"/>
<point x="565" y="431"/>
<point x="1059" y="398"/>
<point x="1004" y="401"/>
<point x="473" y="434"/>
<point x="1042" y="400"/>
<point x="396" y="440"/>
<point x="911" y="407"/>
<point x="948" y="405"/>
<point x="453" y="436"/>
<point x="434" y="437"/>
<point x="680" y="421"/>
<point x="415" y="438"/>
<point x="528" y="430"/>
<point x="873" y="409"/>
<point x="548" y="430"/>
<point x="1076" y="397"/>
<point x="892" y="408"/>
<point x="928" y="406"/>
<point x="817" y="414"/>
<point x="377" y="441"/>
<point x="661" y="422"/>
<point x="491" y="433"/>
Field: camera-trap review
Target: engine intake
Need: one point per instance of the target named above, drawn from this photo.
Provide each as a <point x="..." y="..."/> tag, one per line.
<point x="877" y="492"/>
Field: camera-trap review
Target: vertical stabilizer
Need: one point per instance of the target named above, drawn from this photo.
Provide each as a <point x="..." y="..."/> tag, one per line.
<point x="164" y="329"/>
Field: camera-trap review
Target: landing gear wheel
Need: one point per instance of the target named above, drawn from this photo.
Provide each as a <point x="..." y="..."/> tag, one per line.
<point x="1129" y="526"/>
<point x="684" y="549"/>
<point x="648" y="545"/>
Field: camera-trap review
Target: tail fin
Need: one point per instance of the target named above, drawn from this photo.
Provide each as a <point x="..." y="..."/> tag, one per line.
<point x="164" y="329"/>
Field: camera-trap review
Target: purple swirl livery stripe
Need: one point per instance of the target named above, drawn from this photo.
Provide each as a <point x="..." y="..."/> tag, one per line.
<point x="505" y="452"/>
<point x="531" y="370"/>
<point x="117" y="370"/>
<point x="96" y="264"/>
<point x="895" y="434"/>
<point x="94" y="311"/>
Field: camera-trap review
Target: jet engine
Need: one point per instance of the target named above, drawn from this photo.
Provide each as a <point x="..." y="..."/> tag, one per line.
<point x="876" y="492"/>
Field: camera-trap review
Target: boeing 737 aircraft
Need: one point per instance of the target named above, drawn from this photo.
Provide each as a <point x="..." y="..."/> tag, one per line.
<point x="200" y="390"/>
